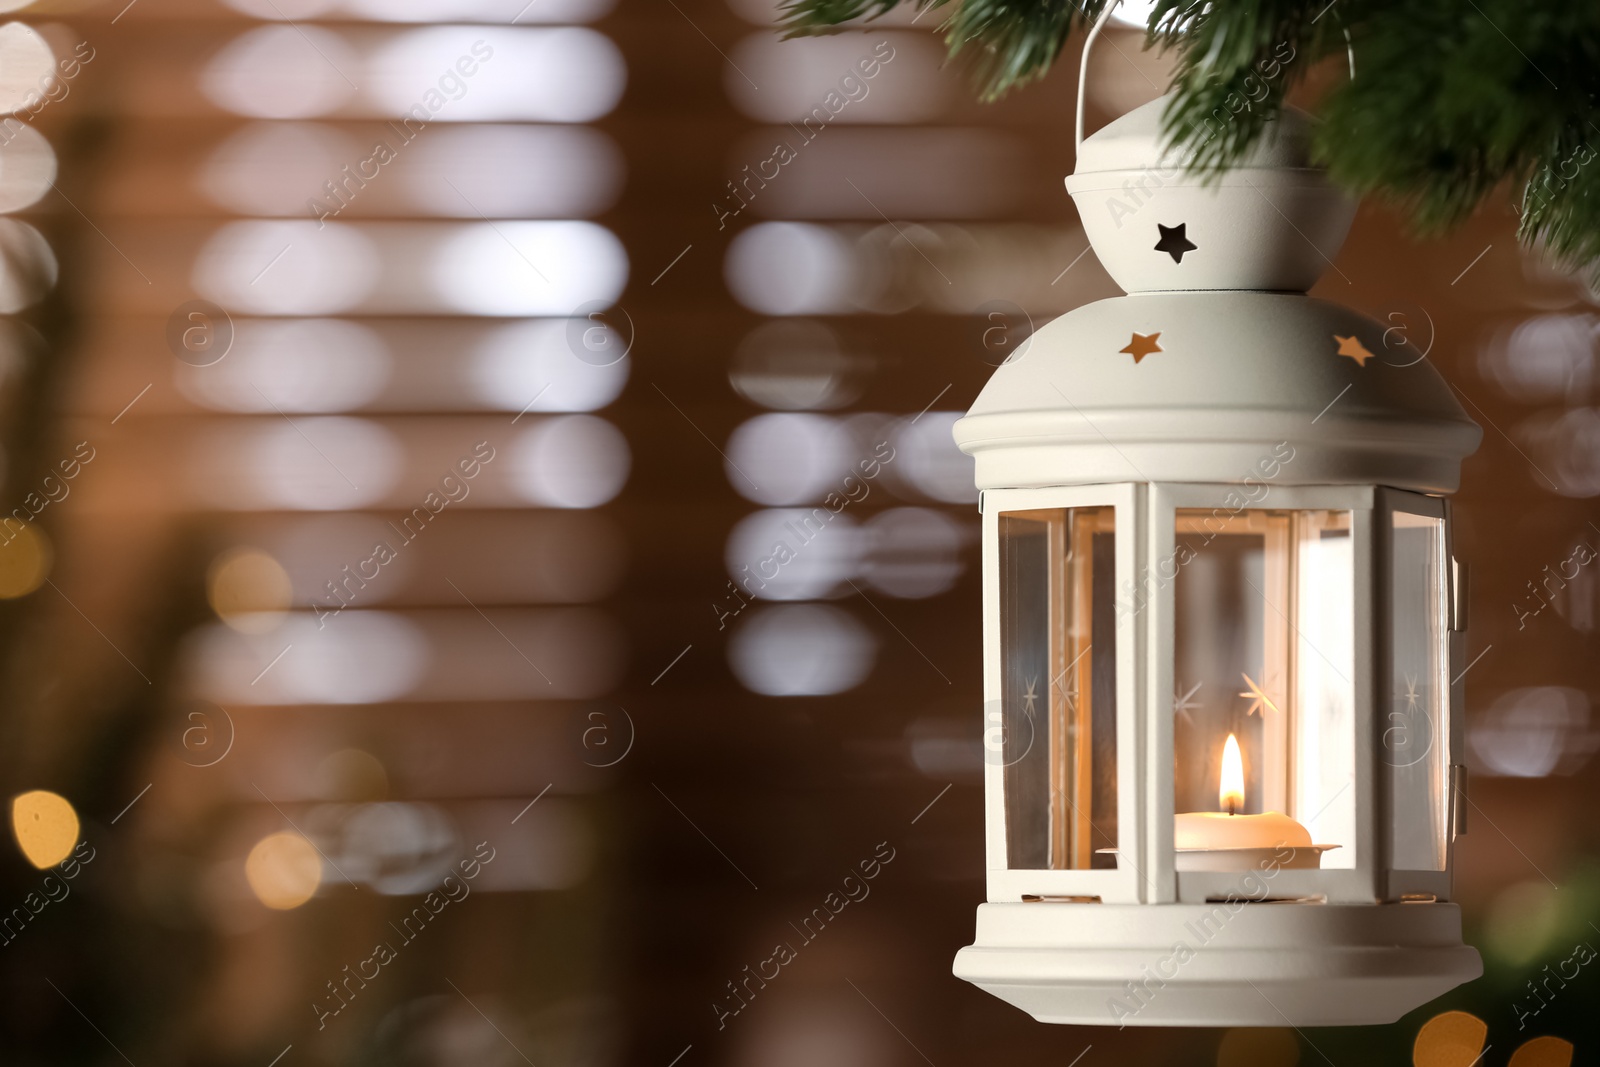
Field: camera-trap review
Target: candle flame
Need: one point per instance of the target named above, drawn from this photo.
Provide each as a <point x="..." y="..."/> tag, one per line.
<point x="1231" y="796"/>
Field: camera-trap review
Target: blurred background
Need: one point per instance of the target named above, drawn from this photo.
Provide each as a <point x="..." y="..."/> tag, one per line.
<point x="401" y="400"/>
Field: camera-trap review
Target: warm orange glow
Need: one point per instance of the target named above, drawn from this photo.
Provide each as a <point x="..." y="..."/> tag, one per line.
<point x="24" y="562"/>
<point x="249" y="590"/>
<point x="1450" y="1039"/>
<point x="1543" y="1052"/>
<point x="1258" y="1047"/>
<point x="1230" y="798"/>
<point x="46" y="827"/>
<point x="284" y="870"/>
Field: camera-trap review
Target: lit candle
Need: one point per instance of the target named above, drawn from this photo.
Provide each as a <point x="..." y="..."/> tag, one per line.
<point x="1225" y="829"/>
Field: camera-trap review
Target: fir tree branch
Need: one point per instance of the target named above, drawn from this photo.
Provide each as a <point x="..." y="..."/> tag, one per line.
<point x="1449" y="104"/>
<point x="1007" y="43"/>
<point x="803" y="18"/>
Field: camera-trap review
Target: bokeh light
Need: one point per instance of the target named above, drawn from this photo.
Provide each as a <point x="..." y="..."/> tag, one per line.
<point x="1568" y="446"/>
<point x="283" y="10"/>
<point x="249" y="590"/>
<point x="489" y="11"/>
<point x="793" y="459"/>
<point x="315" y="547"/>
<point x="793" y="554"/>
<point x="531" y="366"/>
<point x="789" y="268"/>
<point x="1543" y="358"/>
<point x="1533" y="732"/>
<point x="1522" y="921"/>
<point x="1450" y="1039"/>
<point x="913" y="553"/>
<point x="1542" y="1052"/>
<point x="287" y="267"/>
<point x="570" y="461"/>
<point x="928" y="459"/>
<point x="271" y="168"/>
<point x="352" y="774"/>
<point x="353" y="657"/>
<point x="529" y="268"/>
<point x="45" y="826"/>
<point x="311" y="464"/>
<point x="361" y="657"/>
<point x="27" y="168"/>
<point x="397" y="847"/>
<point x="795" y="365"/>
<point x="797" y="74"/>
<point x="503" y="171"/>
<point x="801" y="650"/>
<point x="568" y="74"/>
<point x="282" y="72"/>
<point x="27" y="65"/>
<point x="25" y="559"/>
<point x="28" y="267"/>
<point x="291" y="366"/>
<point x="1263" y="1047"/>
<point x="284" y="870"/>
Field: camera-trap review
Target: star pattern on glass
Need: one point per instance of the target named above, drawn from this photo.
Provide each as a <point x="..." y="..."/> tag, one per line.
<point x="1174" y="241"/>
<point x="1067" y="681"/>
<point x="1142" y="345"/>
<point x="1259" y="701"/>
<point x="1412" y="698"/>
<point x="1183" y="705"/>
<point x="1352" y="347"/>
<point x="1030" y="698"/>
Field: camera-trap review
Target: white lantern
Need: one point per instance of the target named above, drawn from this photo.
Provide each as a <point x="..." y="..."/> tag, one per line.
<point x="1223" y="625"/>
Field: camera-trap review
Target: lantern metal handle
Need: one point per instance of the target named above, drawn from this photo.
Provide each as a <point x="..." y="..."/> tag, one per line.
<point x="1083" y="64"/>
<point x="1100" y="24"/>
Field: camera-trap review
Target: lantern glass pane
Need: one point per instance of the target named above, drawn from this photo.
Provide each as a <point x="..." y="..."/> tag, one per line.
<point x="1058" y="687"/>
<point x="1263" y="654"/>
<point x="1415" y="733"/>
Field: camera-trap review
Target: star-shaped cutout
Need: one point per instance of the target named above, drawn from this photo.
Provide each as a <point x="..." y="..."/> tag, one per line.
<point x="1142" y="345"/>
<point x="1174" y="241"/>
<point x="1352" y="347"/>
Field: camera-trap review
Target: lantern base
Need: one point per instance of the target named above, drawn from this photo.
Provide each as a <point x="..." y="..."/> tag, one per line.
<point x="1223" y="964"/>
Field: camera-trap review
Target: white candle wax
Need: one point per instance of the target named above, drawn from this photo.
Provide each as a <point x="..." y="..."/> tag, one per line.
<point x="1216" y="829"/>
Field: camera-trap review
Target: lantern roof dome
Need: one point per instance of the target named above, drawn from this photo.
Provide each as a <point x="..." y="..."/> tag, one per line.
<point x="1204" y="386"/>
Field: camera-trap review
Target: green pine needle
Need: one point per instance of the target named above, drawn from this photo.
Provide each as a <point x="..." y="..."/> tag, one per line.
<point x="1449" y="102"/>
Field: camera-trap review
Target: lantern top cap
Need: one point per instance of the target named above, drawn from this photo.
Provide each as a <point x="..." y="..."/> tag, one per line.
<point x="1136" y="142"/>
<point x="1271" y="222"/>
